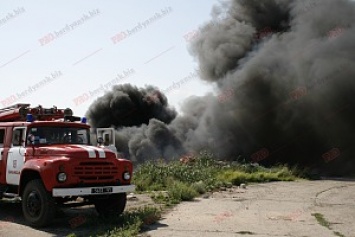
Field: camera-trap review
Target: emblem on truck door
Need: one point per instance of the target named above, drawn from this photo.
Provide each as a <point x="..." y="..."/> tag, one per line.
<point x="14" y="164"/>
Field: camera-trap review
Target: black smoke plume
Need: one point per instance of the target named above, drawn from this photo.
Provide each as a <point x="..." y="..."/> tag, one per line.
<point x="141" y="117"/>
<point x="284" y="72"/>
<point x="126" y="105"/>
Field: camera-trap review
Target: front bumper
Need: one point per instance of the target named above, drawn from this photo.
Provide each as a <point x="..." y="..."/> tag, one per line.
<point x="89" y="191"/>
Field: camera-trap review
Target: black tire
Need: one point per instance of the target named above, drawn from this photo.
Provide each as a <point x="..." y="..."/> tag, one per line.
<point x="38" y="206"/>
<point x="113" y="205"/>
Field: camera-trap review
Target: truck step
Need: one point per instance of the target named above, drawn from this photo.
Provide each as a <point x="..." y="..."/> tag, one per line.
<point x="10" y="195"/>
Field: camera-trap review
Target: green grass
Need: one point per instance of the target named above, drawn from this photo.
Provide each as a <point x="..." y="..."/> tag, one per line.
<point x="126" y="225"/>
<point x="236" y="177"/>
<point x="185" y="181"/>
<point x="181" y="191"/>
<point x="338" y="234"/>
<point x="323" y="222"/>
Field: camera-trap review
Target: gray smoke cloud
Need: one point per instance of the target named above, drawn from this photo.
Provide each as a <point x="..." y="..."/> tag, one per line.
<point x="284" y="72"/>
<point x="287" y="70"/>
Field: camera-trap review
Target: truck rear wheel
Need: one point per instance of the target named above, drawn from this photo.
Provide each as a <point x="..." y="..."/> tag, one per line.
<point x="37" y="204"/>
<point x="113" y="205"/>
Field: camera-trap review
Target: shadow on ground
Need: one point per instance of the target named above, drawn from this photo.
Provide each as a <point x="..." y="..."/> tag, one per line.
<point x="67" y="221"/>
<point x="81" y="221"/>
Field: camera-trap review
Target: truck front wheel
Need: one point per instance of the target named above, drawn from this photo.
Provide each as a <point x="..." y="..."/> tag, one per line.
<point x="113" y="205"/>
<point x="37" y="204"/>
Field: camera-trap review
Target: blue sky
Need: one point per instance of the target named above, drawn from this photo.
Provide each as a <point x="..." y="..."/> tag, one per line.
<point x="63" y="53"/>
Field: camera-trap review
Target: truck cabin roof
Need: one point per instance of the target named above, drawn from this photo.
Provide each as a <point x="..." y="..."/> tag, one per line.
<point x="44" y="123"/>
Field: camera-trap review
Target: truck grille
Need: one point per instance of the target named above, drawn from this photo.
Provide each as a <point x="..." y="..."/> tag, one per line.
<point x="90" y="171"/>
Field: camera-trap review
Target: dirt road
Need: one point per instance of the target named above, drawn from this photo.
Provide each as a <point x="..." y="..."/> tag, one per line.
<point x="271" y="209"/>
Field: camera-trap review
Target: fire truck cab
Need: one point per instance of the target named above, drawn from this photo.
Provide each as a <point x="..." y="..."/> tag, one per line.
<point x="47" y="161"/>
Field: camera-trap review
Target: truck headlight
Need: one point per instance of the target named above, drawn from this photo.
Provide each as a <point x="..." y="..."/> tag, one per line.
<point x="126" y="175"/>
<point x="61" y="177"/>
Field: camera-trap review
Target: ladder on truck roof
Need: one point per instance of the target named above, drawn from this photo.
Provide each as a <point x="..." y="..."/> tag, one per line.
<point x="15" y="106"/>
<point x="18" y="112"/>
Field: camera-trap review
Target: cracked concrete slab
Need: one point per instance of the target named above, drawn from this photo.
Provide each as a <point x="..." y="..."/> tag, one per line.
<point x="271" y="209"/>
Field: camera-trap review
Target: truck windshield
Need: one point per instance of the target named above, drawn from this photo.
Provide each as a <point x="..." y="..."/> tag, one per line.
<point x="59" y="135"/>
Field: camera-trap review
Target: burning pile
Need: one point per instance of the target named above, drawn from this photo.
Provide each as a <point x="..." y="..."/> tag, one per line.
<point x="285" y="77"/>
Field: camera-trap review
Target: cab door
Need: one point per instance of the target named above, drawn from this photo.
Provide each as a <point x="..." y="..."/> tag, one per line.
<point x="2" y="155"/>
<point x="16" y="156"/>
<point x="2" y="141"/>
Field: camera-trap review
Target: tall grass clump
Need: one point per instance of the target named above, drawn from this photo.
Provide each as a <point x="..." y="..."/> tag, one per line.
<point x="159" y="175"/>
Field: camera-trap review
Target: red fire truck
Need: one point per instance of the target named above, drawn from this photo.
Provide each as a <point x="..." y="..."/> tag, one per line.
<point x="46" y="160"/>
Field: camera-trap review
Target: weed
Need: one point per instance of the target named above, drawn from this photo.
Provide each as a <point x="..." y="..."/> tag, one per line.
<point x="237" y="177"/>
<point x="180" y="191"/>
<point x="72" y="235"/>
<point x="199" y="187"/>
<point x="321" y="220"/>
<point x="128" y="224"/>
<point x="245" y="233"/>
<point x="338" y="234"/>
<point x="155" y="176"/>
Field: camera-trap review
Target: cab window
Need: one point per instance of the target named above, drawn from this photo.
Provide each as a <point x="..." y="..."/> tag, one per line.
<point x="17" y="137"/>
<point x="2" y="137"/>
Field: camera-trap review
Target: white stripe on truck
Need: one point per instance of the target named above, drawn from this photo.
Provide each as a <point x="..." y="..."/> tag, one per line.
<point x="101" y="152"/>
<point x="91" y="152"/>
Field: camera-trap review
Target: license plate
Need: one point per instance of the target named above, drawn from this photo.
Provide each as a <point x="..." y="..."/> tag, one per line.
<point x="102" y="190"/>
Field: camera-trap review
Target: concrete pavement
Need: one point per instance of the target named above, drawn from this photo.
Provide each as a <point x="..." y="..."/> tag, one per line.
<point x="271" y="209"/>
